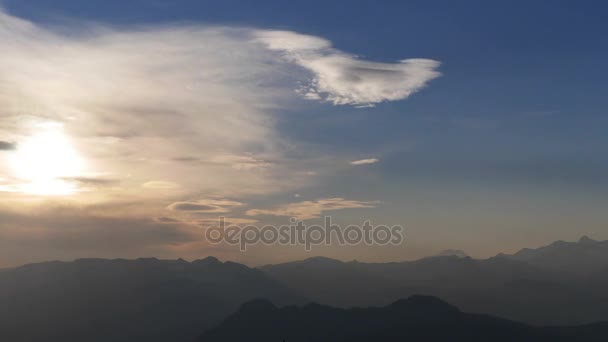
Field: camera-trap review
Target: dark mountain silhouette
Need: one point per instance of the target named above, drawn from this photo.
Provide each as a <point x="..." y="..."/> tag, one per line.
<point x="418" y="318"/>
<point x="126" y="300"/>
<point x="506" y="286"/>
<point x="119" y="300"/>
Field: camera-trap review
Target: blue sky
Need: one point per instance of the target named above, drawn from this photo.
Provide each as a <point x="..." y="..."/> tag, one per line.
<point x="505" y="149"/>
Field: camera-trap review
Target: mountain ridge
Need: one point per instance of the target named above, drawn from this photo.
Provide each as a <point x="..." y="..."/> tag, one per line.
<point x="146" y="299"/>
<point x="417" y="317"/>
<point x="524" y="289"/>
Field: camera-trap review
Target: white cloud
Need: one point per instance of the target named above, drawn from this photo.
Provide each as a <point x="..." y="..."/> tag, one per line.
<point x="312" y="209"/>
<point x="153" y="106"/>
<point x="132" y="100"/>
<point x="344" y="79"/>
<point x="364" y="161"/>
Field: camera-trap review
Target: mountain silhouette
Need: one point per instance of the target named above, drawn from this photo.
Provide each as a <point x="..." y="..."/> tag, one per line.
<point x="97" y="300"/>
<point x="528" y="289"/>
<point x="418" y="318"/>
<point x="126" y="300"/>
<point x="581" y="258"/>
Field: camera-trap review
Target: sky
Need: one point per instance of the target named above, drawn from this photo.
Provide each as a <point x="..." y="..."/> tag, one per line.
<point x="126" y="127"/>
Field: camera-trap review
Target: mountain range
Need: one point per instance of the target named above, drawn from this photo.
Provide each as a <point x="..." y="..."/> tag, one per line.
<point x="418" y="318"/>
<point x="526" y="286"/>
<point x="97" y="300"/>
<point x="126" y="300"/>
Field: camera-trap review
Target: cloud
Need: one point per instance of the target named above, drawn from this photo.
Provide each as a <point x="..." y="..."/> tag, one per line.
<point x="7" y="146"/>
<point x="237" y="162"/>
<point x="93" y="181"/>
<point x="152" y="106"/>
<point x="164" y="219"/>
<point x="128" y="98"/>
<point x="344" y="79"/>
<point x="215" y="221"/>
<point x="312" y="209"/>
<point x="206" y="206"/>
<point x="364" y="161"/>
<point x="163" y="185"/>
<point x="142" y="102"/>
<point x="244" y="162"/>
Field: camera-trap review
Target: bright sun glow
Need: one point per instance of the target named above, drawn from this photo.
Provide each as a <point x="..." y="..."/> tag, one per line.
<point x="45" y="160"/>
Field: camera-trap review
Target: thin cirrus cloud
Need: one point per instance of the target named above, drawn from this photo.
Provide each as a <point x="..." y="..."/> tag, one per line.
<point x="306" y="210"/>
<point x="365" y="161"/>
<point x="161" y="185"/>
<point x="228" y="221"/>
<point x="206" y="206"/>
<point x="344" y="79"/>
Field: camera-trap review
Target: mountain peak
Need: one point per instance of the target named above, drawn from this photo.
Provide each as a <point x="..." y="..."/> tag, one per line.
<point x="321" y="260"/>
<point x="210" y="260"/>
<point x="586" y="240"/>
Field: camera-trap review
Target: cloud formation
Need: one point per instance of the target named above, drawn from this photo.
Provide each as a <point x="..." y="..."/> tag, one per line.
<point x="159" y="114"/>
<point x="187" y="104"/>
<point x="228" y="221"/>
<point x="133" y="100"/>
<point x="344" y="79"/>
<point x="206" y="206"/>
<point x="364" y="161"/>
<point x="162" y="185"/>
<point x="306" y="210"/>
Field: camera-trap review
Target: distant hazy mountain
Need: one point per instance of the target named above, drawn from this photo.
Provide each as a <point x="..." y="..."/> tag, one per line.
<point x="582" y="258"/>
<point x="418" y="318"/>
<point x="126" y="300"/>
<point x="94" y="300"/>
<point x="507" y="286"/>
<point x="454" y="252"/>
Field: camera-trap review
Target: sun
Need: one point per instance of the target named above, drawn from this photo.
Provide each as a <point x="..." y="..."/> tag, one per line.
<point x="45" y="162"/>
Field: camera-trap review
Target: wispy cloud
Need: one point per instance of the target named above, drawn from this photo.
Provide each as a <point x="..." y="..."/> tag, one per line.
<point x="206" y="206"/>
<point x="215" y="221"/>
<point x="153" y="106"/>
<point x="344" y="79"/>
<point x="142" y="103"/>
<point x="132" y="98"/>
<point x="306" y="210"/>
<point x="162" y="185"/>
<point x="364" y="161"/>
